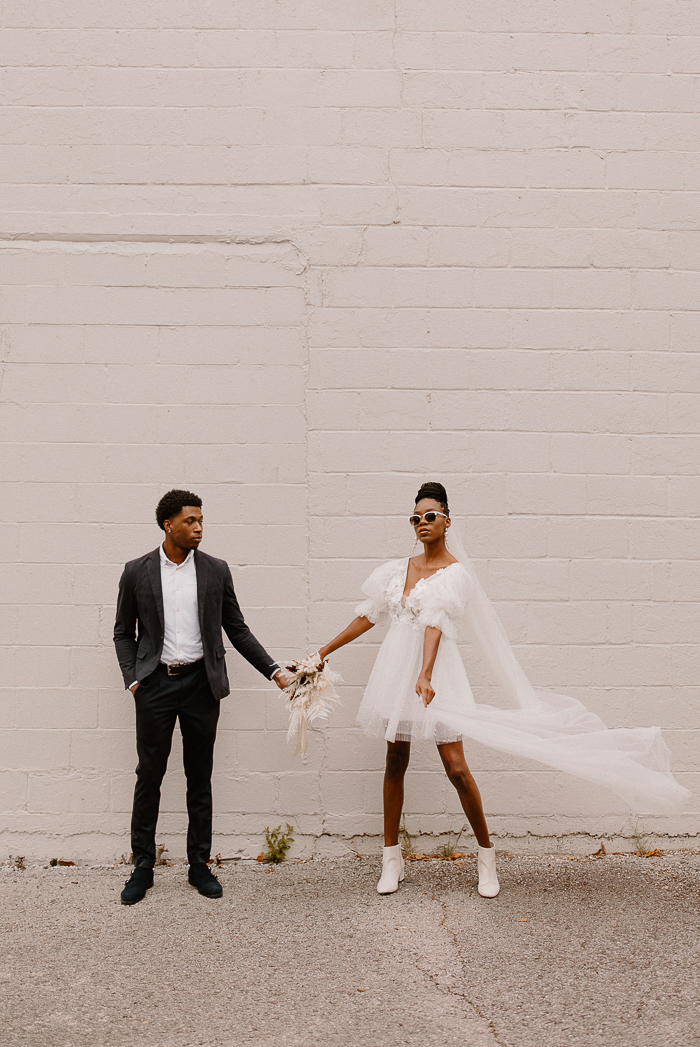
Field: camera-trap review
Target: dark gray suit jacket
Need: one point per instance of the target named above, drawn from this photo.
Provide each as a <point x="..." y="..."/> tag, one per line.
<point x="138" y="629"/>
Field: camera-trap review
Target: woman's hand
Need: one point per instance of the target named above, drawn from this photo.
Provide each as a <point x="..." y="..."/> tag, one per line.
<point x="424" y="690"/>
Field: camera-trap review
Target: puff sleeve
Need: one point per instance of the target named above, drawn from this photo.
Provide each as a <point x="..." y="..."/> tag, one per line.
<point x="375" y="589"/>
<point x="444" y="599"/>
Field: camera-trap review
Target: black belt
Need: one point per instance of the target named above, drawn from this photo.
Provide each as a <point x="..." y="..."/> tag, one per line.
<point x="179" y="668"/>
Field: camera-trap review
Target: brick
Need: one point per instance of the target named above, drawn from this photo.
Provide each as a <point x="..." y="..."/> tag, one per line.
<point x="512" y="537"/>
<point x="599" y="539"/>
<point x="509" y="452"/>
<point x="403" y="287"/>
<point x="591" y="454"/>
<point x="649" y="538"/>
<point x="494" y="51"/>
<point x="656" y="623"/>
<point x="13" y="790"/>
<point x="455" y="167"/>
<point x="38" y="749"/>
<point x="594" y="329"/>
<point x="570" y="168"/>
<point x="30" y="582"/>
<point x="583" y="412"/>
<point x="682" y="411"/>
<point x="683" y="55"/>
<point x="612" y="580"/>
<point x="660" y="170"/>
<point x="380" y="328"/>
<point x="454" y="128"/>
<point x="662" y="455"/>
<point x="375" y="369"/>
<point x="371" y="452"/>
<point x="623" y="665"/>
<point x="622" y="495"/>
<point x="357" y="16"/>
<point x="35" y="666"/>
<point x="494" y="288"/>
<point x="539" y="493"/>
<point x="299" y="793"/>
<point x="439" y="205"/>
<point x="77" y="542"/>
<point x="473" y="247"/>
<point x="394" y="246"/>
<point x="528" y="579"/>
<point x="346" y="165"/>
<point x="372" y="205"/>
<point x="631" y="52"/>
<point x="592" y="290"/>
<point x="68" y="794"/>
<point x="54" y="625"/>
<point x="102" y="750"/>
<point x="598" y="17"/>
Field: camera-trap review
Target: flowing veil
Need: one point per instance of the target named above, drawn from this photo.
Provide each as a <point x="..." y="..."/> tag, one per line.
<point x="554" y="729"/>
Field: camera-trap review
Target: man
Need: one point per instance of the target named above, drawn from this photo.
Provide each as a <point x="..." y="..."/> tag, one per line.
<point x="179" y="599"/>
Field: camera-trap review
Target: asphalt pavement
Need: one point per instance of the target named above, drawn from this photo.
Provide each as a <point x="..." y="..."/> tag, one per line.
<point x="575" y="952"/>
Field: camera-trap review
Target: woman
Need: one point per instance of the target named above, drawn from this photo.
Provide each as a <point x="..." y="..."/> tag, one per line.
<point x="424" y="594"/>
<point x="419" y="689"/>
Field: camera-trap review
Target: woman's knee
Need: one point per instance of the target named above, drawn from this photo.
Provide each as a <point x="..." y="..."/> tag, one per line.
<point x="397" y="762"/>
<point x="460" y="776"/>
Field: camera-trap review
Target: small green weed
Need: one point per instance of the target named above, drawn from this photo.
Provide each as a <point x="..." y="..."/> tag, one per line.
<point x="278" y="843"/>
<point x="406" y="840"/>
<point x="446" y="850"/>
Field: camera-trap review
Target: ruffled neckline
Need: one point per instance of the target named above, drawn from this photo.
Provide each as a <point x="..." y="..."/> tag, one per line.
<point x="401" y="579"/>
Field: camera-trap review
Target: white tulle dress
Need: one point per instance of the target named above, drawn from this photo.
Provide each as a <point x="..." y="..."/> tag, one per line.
<point x="556" y="730"/>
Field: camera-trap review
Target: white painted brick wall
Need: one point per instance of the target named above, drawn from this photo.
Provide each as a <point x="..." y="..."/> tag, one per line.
<point x="299" y="257"/>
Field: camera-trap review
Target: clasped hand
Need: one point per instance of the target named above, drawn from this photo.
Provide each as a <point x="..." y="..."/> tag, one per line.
<point x="424" y="690"/>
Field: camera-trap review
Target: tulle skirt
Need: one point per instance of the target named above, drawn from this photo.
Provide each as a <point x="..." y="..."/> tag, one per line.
<point x="558" y="731"/>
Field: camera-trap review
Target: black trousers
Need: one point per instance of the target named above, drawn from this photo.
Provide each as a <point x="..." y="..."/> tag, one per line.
<point x="160" y="701"/>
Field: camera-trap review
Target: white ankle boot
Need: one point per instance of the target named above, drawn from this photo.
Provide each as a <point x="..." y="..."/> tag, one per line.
<point x="392" y="870"/>
<point x="488" y="880"/>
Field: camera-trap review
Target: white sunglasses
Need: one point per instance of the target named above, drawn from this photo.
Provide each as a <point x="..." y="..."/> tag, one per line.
<point x="429" y="517"/>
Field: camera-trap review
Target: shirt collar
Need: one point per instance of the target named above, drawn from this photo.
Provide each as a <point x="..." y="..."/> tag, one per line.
<point x="166" y="562"/>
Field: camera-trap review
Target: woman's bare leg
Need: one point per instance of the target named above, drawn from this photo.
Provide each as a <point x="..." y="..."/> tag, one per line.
<point x="397" y="756"/>
<point x="452" y="756"/>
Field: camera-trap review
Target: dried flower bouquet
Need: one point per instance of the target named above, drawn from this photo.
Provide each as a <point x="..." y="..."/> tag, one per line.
<point x="311" y="696"/>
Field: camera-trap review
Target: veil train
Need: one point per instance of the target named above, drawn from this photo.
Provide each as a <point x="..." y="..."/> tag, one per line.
<point x="556" y="729"/>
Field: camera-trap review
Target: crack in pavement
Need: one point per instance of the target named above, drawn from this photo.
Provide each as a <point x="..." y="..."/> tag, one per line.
<point x="459" y="994"/>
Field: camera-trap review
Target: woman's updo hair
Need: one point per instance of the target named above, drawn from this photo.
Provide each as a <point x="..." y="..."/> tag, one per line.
<point x="435" y="491"/>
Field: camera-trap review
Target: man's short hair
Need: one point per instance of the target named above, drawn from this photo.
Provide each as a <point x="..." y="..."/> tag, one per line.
<point x="172" y="503"/>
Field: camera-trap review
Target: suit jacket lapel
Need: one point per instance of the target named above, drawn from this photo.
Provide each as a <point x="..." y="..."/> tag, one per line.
<point x="202" y="570"/>
<point x="156" y="586"/>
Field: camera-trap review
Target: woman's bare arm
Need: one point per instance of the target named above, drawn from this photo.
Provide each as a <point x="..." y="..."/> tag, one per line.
<point x="431" y="642"/>
<point x="357" y="627"/>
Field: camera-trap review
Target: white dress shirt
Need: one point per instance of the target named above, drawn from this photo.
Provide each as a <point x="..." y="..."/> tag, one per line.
<point x="182" y="639"/>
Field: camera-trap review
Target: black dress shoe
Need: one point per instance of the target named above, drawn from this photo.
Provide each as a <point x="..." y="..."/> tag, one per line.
<point x="204" y="880"/>
<point x="140" y="881"/>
